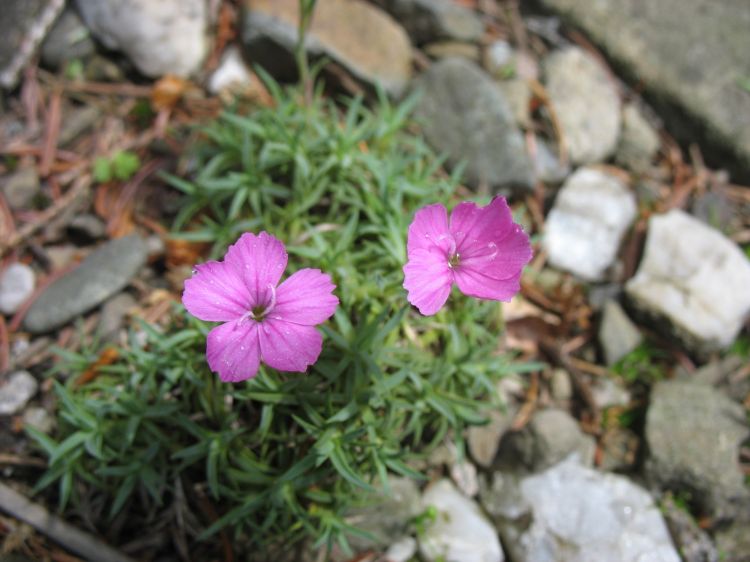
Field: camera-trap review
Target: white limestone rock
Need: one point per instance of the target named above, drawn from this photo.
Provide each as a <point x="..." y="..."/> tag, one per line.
<point x="592" y="212"/>
<point x="164" y="37"/>
<point x="695" y="278"/>
<point x="460" y="531"/>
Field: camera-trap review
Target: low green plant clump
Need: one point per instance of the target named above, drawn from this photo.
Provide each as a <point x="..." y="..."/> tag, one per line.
<point x="283" y="456"/>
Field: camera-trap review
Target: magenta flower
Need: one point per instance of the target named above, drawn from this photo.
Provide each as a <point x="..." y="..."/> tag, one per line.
<point x="262" y="322"/>
<point x="481" y="249"/>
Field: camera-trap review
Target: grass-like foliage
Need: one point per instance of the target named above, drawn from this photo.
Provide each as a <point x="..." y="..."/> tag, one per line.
<point x="283" y="456"/>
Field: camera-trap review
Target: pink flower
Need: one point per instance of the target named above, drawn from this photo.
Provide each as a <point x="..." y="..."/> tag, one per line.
<point x="262" y="322"/>
<point x="481" y="249"/>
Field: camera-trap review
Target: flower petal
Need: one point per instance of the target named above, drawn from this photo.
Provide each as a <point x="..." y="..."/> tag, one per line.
<point x="259" y="261"/>
<point x="488" y="241"/>
<point x="429" y="229"/>
<point x="305" y="298"/>
<point x="233" y="350"/>
<point x="287" y="346"/>
<point x="428" y="279"/>
<point x="474" y="283"/>
<point x="215" y="293"/>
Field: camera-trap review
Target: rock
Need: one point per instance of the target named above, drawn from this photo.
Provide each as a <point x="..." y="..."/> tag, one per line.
<point x="692" y="542"/>
<point x="165" y="37"/>
<point x="402" y="550"/>
<point x="86" y="228"/>
<point x="733" y="542"/>
<point x="231" y="74"/>
<point x="385" y="515"/>
<point x="484" y="440"/>
<point x="591" y="213"/>
<point x="586" y="104"/>
<point x="716" y="210"/>
<point x="101" y="275"/>
<point x="571" y="513"/>
<point x="693" y="433"/>
<point x="39" y="419"/>
<point x="499" y="59"/>
<point x="547" y="165"/>
<point x="68" y="39"/>
<point x="351" y="33"/>
<point x="22" y="27"/>
<point x="77" y="121"/>
<point x="113" y="315"/>
<point x="691" y="56"/>
<point x="20" y="188"/>
<point x="435" y="20"/>
<point x="618" y="336"/>
<point x="695" y="279"/>
<point x="638" y="143"/>
<point x="16" y="392"/>
<point x="465" y="116"/>
<point x="551" y="436"/>
<point x="464" y="476"/>
<point x="447" y="49"/>
<point x="16" y="285"/>
<point x="619" y="447"/>
<point x="460" y="530"/>
<point x="561" y="387"/>
<point x="518" y="95"/>
<point x="607" y="393"/>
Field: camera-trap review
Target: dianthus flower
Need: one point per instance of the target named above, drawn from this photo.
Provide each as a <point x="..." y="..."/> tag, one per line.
<point x="262" y="321"/>
<point x="481" y="249"/>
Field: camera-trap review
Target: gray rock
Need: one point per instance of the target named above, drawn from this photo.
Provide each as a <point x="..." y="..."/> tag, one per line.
<point x="695" y="279"/>
<point x="22" y="27"/>
<point x="165" y="37"/>
<point x="465" y="116"/>
<point x="355" y="35"/>
<point x="690" y="54"/>
<point x="16" y="285"/>
<point x="639" y="142"/>
<point x="385" y="515"/>
<point x="551" y="436"/>
<point x="68" y="39"/>
<point x="39" y="419"/>
<point x="693" y="433"/>
<point x="561" y="387"/>
<point x="592" y="211"/>
<point x="21" y="187"/>
<point x="87" y="226"/>
<point x="693" y="542"/>
<point x="547" y="165"/>
<point x="16" y="392"/>
<point x="619" y="447"/>
<point x="586" y="104"/>
<point x="733" y="542"/>
<point x="113" y="314"/>
<point x="460" y="530"/>
<point x="76" y="122"/>
<point x="717" y="210"/>
<point x="618" y="336"/>
<point x="484" y="440"/>
<point x="571" y="513"/>
<point x="518" y="95"/>
<point x="101" y="275"/>
<point x="434" y="20"/>
<point x="448" y="49"/>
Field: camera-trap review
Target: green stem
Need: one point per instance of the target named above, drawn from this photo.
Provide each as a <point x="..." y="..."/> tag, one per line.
<point x="306" y="8"/>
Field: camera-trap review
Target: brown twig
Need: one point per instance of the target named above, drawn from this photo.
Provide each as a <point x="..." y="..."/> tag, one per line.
<point x="4" y="347"/>
<point x="51" y="134"/>
<point x="27" y="230"/>
<point x="73" y="539"/>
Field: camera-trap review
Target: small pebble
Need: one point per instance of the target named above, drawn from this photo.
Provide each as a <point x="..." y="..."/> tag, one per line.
<point x="16" y="285"/>
<point x="39" y="419"/>
<point x="16" y="392"/>
<point x="401" y="550"/>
